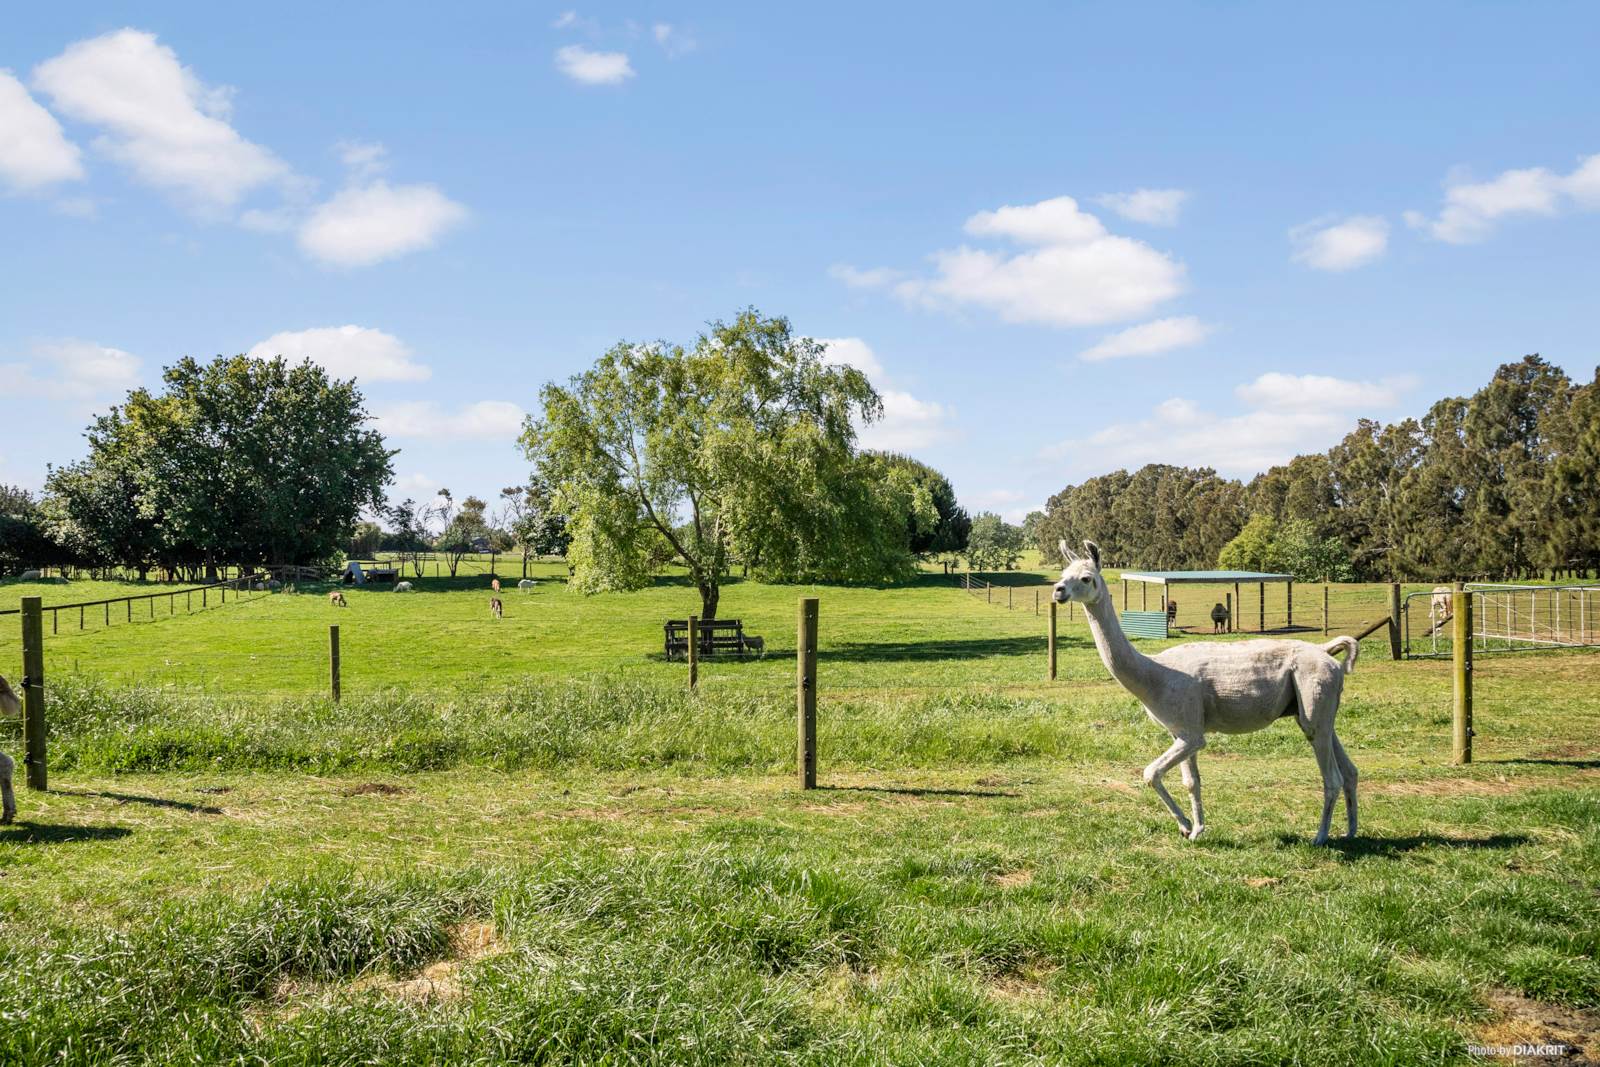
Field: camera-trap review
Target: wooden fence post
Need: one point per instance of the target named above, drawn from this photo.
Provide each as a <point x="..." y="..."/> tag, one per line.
<point x="1008" y="598"/>
<point x="1395" y="650"/>
<point x="1229" y="598"/>
<point x="806" y="691"/>
<point x="694" y="651"/>
<point x="1036" y="603"/>
<point x="1289" y="602"/>
<point x="1461" y="653"/>
<point x="1324" y="609"/>
<point x="1052" y="641"/>
<point x="33" y="727"/>
<point x="1237" y="601"/>
<point x="333" y="662"/>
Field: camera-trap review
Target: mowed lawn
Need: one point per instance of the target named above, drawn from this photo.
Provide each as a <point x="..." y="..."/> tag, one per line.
<point x="524" y="841"/>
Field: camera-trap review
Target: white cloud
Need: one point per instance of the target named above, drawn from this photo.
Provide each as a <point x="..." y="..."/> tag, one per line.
<point x="366" y="224"/>
<point x="34" y="152"/>
<point x="1275" y="391"/>
<point x="1154" y="207"/>
<point x="1472" y="208"/>
<point x="853" y="352"/>
<point x="363" y="159"/>
<point x="856" y="278"/>
<point x="588" y="67"/>
<point x="673" y="41"/>
<point x="1076" y="274"/>
<point x="1287" y="415"/>
<point x="497" y="420"/>
<point x="158" y="118"/>
<point x="1148" y="338"/>
<point x="72" y="369"/>
<point x="358" y="352"/>
<point x="1326" y="245"/>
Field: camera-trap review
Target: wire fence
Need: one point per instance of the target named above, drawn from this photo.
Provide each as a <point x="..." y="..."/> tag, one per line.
<point x="99" y="614"/>
<point x="1505" y="618"/>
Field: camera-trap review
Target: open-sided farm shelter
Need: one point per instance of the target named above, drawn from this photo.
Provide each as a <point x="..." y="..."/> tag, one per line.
<point x="1147" y="623"/>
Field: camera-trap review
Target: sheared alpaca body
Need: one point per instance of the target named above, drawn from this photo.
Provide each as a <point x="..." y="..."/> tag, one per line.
<point x="1221" y="687"/>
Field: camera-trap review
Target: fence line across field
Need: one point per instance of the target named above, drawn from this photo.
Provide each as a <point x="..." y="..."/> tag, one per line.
<point x="242" y="586"/>
<point x="1505" y="618"/>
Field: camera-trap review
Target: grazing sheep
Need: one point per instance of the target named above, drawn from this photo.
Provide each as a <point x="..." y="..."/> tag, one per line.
<point x="10" y="705"/>
<point x="274" y="585"/>
<point x="336" y="599"/>
<point x="494" y="584"/>
<point x="526" y="584"/>
<point x="1219" y="619"/>
<point x="496" y="608"/>
<point x="758" y="645"/>
<point x="403" y="587"/>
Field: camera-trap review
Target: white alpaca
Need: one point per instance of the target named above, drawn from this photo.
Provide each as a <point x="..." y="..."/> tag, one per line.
<point x="10" y="706"/>
<point x="1221" y="687"/>
<point x="526" y="583"/>
<point x="1440" y="605"/>
<point x="402" y="587"/>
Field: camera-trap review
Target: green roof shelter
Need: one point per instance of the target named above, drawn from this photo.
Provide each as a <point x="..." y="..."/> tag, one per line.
<point x="1146" y="623"/>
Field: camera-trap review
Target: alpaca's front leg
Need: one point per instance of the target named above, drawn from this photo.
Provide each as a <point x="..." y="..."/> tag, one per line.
<point x="1181" y="750"/>
<point x="1191" y="782"/>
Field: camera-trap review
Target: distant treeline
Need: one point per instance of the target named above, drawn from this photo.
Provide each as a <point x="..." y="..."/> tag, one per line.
<point x="1499" y="485"/>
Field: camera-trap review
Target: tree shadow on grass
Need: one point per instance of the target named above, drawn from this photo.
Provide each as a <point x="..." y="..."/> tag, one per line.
<point x="34" y="833"/>
<point x="136" y="798"/>
<point x="1363" y="846"/>
<point x="912" y="791"/>
<point x="976" y="648"/>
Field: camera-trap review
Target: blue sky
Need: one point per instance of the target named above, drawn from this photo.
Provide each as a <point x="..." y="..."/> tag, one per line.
<point x="1061" y="239"/>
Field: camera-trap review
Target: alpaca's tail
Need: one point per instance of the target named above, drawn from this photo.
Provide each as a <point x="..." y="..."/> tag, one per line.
<point x="1352" y="649"/>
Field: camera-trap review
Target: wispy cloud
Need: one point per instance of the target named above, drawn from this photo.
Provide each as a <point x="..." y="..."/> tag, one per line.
<point x="1326" y="244"/>
<point x="35" y="152"/>
<point x="589" y="67"/>
<point x="1148" y="339"/>
<point x="1154" y="207"/>
<point x="359" y="352"/>
<point x="1471" y="209"/>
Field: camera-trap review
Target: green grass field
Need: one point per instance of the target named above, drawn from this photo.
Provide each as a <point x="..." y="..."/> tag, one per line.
<point x="524" y="841"/>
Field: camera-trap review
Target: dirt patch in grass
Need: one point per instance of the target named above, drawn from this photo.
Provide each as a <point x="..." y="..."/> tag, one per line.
<point x="1475" y="787"/>
<point x="1523" y="1021"/>
<point x="1027" y="986"/>
<point x="374" y="789"/>
<point x="1261" y="883"/>
<point x="1014" y="879"/>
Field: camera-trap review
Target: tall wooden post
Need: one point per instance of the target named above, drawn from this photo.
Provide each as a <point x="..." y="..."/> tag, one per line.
<point x="1229" y="598"/>
<point x="1289" y="602"/>
<point x="1124" y="594"/>
<point x="806" y="691"/>
<point x="1324" y="609"/>
<point x="1261" y="607"/>
<point x="694" y="651"/>
<point x="33" y="728"/>
<point x="1036" y="603"/>
<point x="1461" y="653"/>
<point x="333" y="662"/>
<point x="1052" y="640"/>
<point x="1237" y="601"/>
<point x="1395" y="650"/>
<point x="1008" y="598"/>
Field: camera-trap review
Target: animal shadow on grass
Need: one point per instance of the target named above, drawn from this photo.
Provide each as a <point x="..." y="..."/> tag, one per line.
<point x="1363" y="846"/>
<point x="137" y="798"/>
<point x="1575" y="764"/>
<point x="36" y="833"/>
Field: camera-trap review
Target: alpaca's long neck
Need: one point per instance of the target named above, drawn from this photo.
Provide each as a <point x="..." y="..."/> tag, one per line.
<point x="1127" y="664"/>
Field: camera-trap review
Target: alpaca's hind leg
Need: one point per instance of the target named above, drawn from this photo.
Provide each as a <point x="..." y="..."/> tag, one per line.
<point x="1347" y="771"/>
<point x="1191" y="781"/>
<point x="1322" y="743"/>
<point x="1181" y="750"/>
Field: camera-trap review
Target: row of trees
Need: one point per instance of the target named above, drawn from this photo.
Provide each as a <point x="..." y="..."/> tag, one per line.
<point x="1502" y="484"/>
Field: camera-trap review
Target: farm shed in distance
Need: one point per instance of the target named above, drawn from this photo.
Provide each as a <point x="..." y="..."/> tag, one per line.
<point x="1145" y="623"/>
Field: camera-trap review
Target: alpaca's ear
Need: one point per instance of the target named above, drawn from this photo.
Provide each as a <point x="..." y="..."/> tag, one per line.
<point x="1067" y="553"/>
<point x="1094" y="552"/>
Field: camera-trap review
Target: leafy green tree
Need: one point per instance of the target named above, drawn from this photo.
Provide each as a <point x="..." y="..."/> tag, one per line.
<point x="1251" y="548"/>
<point x="25" y="541"/>
<point x="99" y="511"/>
<point x="367" y="540"/>
<point x="464" y="527"/>
<point x="994" y="544"/>
<point x="1299" y="549"/>
<point x="742" y="444"/>
<point x="239" y="460"/>
<point x="530" y="517"/>
<point x="949" y="533"/>
<point x="1573" y="485"/>
<point x="408" y="537"/>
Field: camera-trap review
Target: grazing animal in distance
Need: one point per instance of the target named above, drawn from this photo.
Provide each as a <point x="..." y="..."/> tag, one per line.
<point x="1233" y="687"/>
<point x="28" y="576"/>
<point x="1172" y="612"/>
<point x="494" y="584"/>
<point x="526" y="583"/>
<point x="1219" y="619"/>
<point x="1440" y="605"/>
<point x="336" y="599"/>
<point x="10" y="706"/>
<point x="403" y="587"/>
<point x="758" y="645"/>
<point x="496" y="608"/>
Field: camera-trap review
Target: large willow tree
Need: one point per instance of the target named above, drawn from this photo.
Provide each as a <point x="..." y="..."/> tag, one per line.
<point x="740" y="446"/>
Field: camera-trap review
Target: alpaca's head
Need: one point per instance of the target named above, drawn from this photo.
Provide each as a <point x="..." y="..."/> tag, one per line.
<point x="1080" y="579"/>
